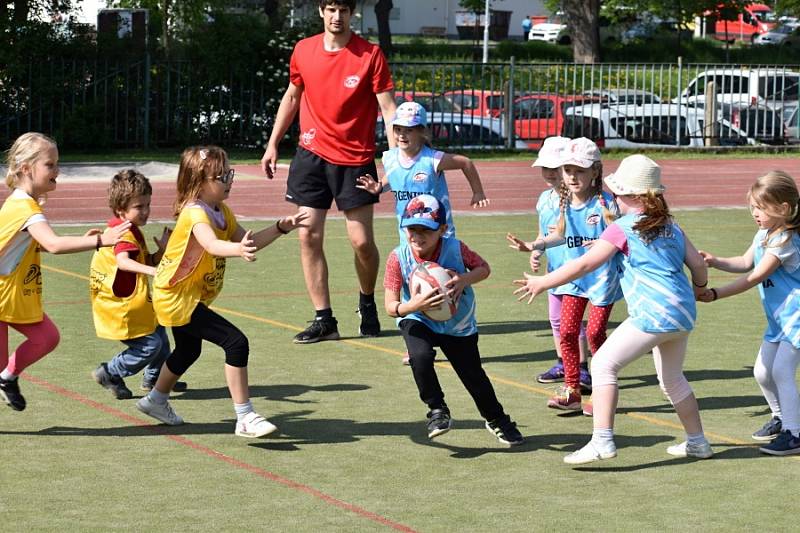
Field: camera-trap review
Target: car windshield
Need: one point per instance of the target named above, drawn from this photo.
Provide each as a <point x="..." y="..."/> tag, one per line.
<point x="779" y="87"/>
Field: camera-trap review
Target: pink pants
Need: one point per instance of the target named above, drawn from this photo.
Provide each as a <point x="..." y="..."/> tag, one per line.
<point x="42" y="338"/>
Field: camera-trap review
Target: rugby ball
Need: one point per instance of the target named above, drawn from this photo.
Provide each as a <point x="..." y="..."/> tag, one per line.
<point x="427" y="276"/>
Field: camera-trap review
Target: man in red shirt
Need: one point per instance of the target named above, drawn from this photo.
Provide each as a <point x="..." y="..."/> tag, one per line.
<point x="335" y="78"/>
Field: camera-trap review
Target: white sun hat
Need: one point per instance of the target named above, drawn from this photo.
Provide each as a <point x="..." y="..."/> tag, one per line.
<point x="637" y="174"/>
<point x="550" y="153"/>
<point x="581" y="152"/>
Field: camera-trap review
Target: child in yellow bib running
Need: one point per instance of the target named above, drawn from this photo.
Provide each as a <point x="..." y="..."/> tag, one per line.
<point x="122" y="305"/>
<point x="189" y="277"/>
<point x="24" y="232"/>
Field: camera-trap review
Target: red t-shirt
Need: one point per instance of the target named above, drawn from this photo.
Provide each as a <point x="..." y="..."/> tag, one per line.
<point x="125" y="282"/>
<point x="337" y="108"/>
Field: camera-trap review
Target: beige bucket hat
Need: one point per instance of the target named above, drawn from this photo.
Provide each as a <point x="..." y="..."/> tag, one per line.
<point x="637" y="174"/>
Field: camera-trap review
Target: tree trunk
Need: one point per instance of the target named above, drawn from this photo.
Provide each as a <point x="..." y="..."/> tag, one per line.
<point x="382" y="9"/>
<point x="584" y="28"/>
<point x="165" y="28"/>
<point x="20" y="12"/>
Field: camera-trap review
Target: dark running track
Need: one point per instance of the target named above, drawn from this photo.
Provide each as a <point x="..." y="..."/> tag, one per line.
<point x="512" y="187"/>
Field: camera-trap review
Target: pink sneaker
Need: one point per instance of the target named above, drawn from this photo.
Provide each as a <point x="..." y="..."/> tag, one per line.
<point x="565" y="399"/>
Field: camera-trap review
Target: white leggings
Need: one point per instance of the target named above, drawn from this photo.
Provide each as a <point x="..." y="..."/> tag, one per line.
<point x="627" y="343"/>
<point x="775" y="369"/>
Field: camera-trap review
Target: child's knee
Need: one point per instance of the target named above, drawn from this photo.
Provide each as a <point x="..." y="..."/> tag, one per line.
<point x="676" y="390"/>
<point x="237" y="350"/>
<point x="422" y="358"/>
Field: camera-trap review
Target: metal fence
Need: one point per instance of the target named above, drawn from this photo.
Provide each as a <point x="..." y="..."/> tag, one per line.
<point x="502" y="105"/>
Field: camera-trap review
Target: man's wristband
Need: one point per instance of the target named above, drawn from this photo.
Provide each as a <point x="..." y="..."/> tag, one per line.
<point x="279" y="228"/>
<point x="99" y="243"/>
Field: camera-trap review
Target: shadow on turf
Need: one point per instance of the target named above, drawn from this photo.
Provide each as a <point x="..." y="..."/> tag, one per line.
<point x="281" y="393"/>
<point x="635" y="382"/>
<point x="731" y="451"/>
<point x="519" y="326"/>
<point x="706" y="404"/>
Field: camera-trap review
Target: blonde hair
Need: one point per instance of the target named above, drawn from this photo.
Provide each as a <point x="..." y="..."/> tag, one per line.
<point x="125" y="186"/>
<point x="597" y="190"/>
<point x="198" y="165"/>
<point x="769" y="193"/>
<point x="27" y="149"/>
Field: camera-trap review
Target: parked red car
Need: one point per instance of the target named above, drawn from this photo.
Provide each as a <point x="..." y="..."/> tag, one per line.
<point x="476" y="102"/>
<point x="541" y="115"/>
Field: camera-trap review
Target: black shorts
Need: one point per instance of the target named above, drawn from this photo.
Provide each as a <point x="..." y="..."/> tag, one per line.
<point x="314" y="182"/>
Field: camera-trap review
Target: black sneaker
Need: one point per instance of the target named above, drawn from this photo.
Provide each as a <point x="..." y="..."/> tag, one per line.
<point x="439" y="422"/>
<point x="370" y="326"/>
<point x="9" y="390"/>
<point x="147" y="385"/>
<point x="784" y="444"/>
<point x="113" y="383"/>
<point x="505" y="430"/>
<point x="770" y="430"/>
<point x="321" y="329"/>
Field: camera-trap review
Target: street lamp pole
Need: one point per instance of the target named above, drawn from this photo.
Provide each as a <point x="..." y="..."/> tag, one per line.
<point x="486" y="33"/>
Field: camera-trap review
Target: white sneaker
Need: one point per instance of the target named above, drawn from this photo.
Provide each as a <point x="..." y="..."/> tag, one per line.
<point x="589" y="454"/>
<point x="700" y="451"/>
<point x="161" y="412"/>
<point x="254" y="425"/>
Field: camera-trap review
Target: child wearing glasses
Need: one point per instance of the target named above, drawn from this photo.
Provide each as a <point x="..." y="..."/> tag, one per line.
<point x="189" y="277"/>
<point x="122" y="305"/>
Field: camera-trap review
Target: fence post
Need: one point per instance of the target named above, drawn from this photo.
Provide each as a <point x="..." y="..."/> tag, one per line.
<point x="680" y="104"/>
<point x="710" y="135"/>
<point x="510" y="106"/>
<point x="146" y="99"/>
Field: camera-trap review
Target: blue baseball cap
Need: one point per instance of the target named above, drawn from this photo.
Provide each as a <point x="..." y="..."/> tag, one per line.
<point x="424" y="210"/>
<point x="410" y="114"/>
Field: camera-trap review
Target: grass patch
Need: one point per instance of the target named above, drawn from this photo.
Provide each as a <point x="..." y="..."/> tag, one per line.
<point x="352" y="426"/>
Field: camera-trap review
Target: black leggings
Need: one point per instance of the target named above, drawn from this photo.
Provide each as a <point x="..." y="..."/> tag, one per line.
<point x="207" y="325"/>
<point x="463" y="354"/>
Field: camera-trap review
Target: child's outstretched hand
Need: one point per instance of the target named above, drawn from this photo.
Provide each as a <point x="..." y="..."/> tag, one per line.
<point x="530" y="286"/>
<point x="248" y="248"/>
<point x="705" y="295"/>
<point x="479" y="200"/>
<point x="710" y="260"/>
<point x="294" y="221"/>
<point x="518" y="244"/>
<point x="161" y="242"/>
<point x="110" y="236"/>
<point x="369" y="184"/>
<point x="534" y="260"/>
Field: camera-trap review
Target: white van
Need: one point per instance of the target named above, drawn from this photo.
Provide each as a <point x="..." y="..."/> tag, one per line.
<point x="649" y="125"/>
<point x="776" y="88"/>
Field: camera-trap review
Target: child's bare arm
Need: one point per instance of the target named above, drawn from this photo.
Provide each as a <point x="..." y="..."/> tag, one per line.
<point x="736" y="264"/>
<point x="282" y="226"/>
<point x="465" y="164"/>
<point x="208" y="240"/>
<point x="126" y="263"/>
<point x="765" y="268"/>
<point x="67" y="244"/>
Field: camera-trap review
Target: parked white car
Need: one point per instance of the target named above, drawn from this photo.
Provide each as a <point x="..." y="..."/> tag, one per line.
<point x="778" y="89"/>
<point x="463" y="131"/>
<point x="625" y="96"/>
<point x="649" y="125"/>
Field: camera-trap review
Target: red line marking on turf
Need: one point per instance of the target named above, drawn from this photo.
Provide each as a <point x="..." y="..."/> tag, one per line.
<point x="219" y="456"/>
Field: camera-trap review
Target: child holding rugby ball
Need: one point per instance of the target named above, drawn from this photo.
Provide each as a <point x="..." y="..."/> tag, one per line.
<point x="424" y="222"/>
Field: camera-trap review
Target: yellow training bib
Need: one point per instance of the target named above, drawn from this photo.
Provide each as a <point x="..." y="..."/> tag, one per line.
<point x="187" y="274"/>
<point x="120" y="317"/>
<point x="20" y="289"/>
